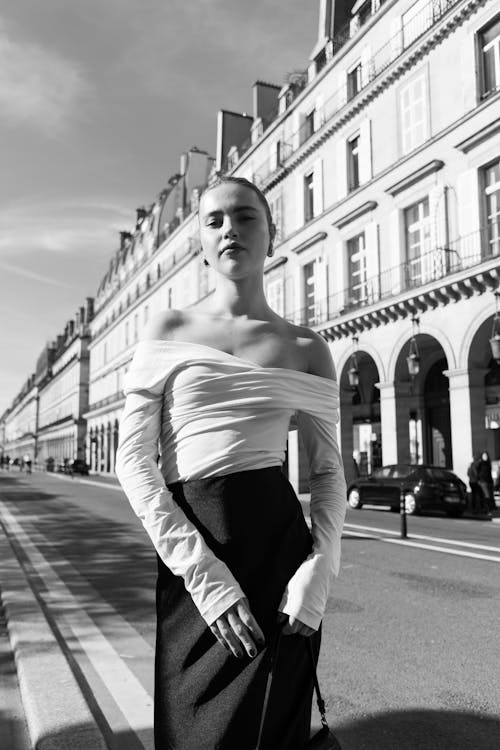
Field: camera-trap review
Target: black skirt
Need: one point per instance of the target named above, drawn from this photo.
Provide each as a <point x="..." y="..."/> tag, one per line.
<point x="205" y="698"/>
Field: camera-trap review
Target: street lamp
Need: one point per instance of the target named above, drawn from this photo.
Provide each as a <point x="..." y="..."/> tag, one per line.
<point x="413" y="358"/>
<point x="353" y="371"/>
<point x="495" y="333"/>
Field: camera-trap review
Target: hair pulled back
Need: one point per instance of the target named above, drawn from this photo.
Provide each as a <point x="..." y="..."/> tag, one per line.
<point x="243" y="182"/>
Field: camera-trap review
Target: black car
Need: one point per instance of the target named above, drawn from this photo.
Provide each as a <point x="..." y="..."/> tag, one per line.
<point x="424" y="487"/>
<point x="78" y="466"/>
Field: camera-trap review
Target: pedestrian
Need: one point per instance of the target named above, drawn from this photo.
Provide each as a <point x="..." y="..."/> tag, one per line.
<point x="485" y="480"/>
<point x="216" y="385"/>
<point x="478" y="501"/>
<point x="27" y="462"/>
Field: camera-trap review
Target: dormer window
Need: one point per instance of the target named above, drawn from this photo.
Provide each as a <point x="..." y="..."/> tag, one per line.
<point x="320" y="60"/>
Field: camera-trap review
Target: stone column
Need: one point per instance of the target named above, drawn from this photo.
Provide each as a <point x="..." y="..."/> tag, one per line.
<point x="345" y="433"/>
<point x="467" y="416"/>
<point x="388" y="423"/>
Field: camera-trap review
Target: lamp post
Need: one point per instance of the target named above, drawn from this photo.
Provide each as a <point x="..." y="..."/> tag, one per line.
<point x="353" y="371"/>
<point x="413" y="358"/>
<point x="495" y="333"/>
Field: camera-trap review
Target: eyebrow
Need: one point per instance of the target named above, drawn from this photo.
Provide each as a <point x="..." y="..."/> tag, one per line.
<point x="238" y="209"/>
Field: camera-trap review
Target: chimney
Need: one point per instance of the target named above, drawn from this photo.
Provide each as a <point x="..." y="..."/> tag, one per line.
<point x="89" y="312"/>
<point x="124" y="237"/>
<point x="325" y="27"/>
<point x="71" y="328"/>
<point x="184" y="164"/>
<point x="141" y="215"/>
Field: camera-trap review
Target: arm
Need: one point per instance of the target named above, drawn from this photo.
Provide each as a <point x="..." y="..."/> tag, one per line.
<point x="177" y="541"/>
<point x="307" y="592"/>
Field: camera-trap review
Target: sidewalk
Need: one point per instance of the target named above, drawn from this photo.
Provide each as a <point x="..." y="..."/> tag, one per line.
<point x="56" y="712"/>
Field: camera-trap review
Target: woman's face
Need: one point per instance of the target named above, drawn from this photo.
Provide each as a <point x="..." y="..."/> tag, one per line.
<point x="234" y="232"/>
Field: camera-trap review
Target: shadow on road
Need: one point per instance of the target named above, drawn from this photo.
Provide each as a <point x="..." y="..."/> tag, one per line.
<point x="421" y="729"/>
<point x="115" y="558"/>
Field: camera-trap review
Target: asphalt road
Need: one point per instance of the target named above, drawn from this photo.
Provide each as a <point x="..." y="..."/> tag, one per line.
<point x="411" y="638"/>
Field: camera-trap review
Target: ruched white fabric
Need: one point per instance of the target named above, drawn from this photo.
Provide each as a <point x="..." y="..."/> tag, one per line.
<point x="213" y="413"/>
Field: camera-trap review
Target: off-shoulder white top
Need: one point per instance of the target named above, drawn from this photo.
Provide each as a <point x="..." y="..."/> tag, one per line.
<point x="213" y="413"/>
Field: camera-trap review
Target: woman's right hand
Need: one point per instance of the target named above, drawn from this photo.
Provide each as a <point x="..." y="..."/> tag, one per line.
<point x="238" y="630"/>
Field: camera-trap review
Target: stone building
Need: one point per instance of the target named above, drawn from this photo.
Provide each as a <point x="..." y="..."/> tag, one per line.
<point x="381" y="162"/>
<point x="19" y="423"/>
<point x="62" y="374"/>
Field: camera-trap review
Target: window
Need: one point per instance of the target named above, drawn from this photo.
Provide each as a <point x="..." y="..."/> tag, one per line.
<point x="146" y="314"/>
<point x="358" y="276"/>
<point x="353" y="162"/>
<point x="308" y="196"/>
<point x="320" y="60"/>
<point x="413" y="113"/>
<point x="277" y="213"/>
<point x="417" y="236"/>
<point x="136" y="327"/>
<point x="492" y="206"/>
<point x="274" y="294"/>
<point x="489" y="45"/>
<point x="308" y="126"/>
<point x="126" y="334"/>
<point x="353" y="81"/>
<point x="309" y="273"/>
<point x="169" y="298"/>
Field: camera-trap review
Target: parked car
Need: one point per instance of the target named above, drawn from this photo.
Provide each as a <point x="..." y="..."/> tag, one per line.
<point x="425" y="487"/>
<point x="79" y="466"/>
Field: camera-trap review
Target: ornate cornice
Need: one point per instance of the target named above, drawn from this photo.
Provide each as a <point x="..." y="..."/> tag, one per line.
<point x="453" y="289"/>
<point x="433" y="166"/>
<point x="355" y="214"/>
<point x="309" y="241"/>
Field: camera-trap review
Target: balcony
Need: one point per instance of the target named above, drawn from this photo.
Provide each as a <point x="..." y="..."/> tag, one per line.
<point x="439" y="276"/>
<point x="414" y="27"/>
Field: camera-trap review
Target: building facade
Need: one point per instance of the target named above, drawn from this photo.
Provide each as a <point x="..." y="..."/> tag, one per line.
<point x="19" y="424"/>
<point x="381" y="163"/>
<point x="62" y="377"/>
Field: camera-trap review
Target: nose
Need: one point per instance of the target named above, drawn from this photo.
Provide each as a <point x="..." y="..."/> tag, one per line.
<point x="228" y="228"/>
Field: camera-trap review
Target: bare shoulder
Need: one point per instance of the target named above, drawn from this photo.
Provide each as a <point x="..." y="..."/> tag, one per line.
<point x="319" y="356"/>
<point x="164" y="325"/>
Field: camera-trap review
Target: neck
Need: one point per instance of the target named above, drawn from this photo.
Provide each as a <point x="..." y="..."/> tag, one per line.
<point x="241" y="298"/>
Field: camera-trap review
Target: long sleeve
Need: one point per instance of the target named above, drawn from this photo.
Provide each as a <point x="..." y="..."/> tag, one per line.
<point x="307" y="592"/>
<point x="177" y="541"/>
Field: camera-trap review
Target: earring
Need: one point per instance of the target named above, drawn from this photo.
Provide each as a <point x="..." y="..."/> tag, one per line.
<point x="205" y="261"/>
<point x="270" y="251"/>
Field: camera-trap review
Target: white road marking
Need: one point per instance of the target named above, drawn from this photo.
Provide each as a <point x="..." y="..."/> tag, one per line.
<point x="434" y="548"/>
<point x="442" y="540"/>
<point x="132" y="699"/>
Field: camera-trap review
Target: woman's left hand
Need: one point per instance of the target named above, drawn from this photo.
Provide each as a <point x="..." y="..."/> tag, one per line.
<point x="294" y="626"/>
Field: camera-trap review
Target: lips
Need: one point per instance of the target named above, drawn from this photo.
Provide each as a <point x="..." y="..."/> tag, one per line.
<point x="231" y="247"/>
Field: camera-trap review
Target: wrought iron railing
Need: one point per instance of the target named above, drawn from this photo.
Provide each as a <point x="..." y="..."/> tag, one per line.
<point x="410" y="31"/>
<point x="461" y="254"/>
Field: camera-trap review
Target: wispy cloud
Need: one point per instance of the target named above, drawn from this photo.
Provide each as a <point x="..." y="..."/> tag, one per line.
<point x="88" y="226"/>
<point x="37" y="85"/>
<point x="33" y="275"/>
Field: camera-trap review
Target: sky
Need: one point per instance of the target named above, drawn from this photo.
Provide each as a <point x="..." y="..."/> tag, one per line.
<point x="98" y="99"/>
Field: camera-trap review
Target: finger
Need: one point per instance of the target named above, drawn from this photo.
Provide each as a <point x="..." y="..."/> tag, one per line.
<point x="242" y="633"/>
<point x="246" y="616"/>
<point x="227" y="635"/>
<point x="219" y="638"/>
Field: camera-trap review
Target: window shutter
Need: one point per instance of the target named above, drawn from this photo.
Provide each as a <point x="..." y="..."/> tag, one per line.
<point x="396" y="32"/>
<point x="342" y="88"/>
<point x="297" y="121"/>
<point x="394" y="255"/>
<point x="338" y="300"/>
<point x="366" y="65"/>
<point x="438" y="257"/>
<point x="341" y="171"/>
<point x="365" y="151"/>
<point x="321" y="289"/>
<point x="468" y="215"/>
<point x="273" y="156"/>
<point x="318" y="188"/>
<point x="300" y="201"/>
<point x="372" y="261"/>
<point x="319" y="117"/>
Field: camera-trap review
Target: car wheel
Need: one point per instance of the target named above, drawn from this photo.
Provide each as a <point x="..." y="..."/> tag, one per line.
<point x="353" y="499"/>
<point x="411" y="505"/>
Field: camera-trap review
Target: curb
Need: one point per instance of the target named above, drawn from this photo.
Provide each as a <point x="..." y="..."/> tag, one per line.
<point x="57" y="714"/>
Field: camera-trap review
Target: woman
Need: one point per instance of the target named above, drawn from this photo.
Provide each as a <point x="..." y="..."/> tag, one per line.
<point x="216" y="386"/>
<point x="485" y="480"/>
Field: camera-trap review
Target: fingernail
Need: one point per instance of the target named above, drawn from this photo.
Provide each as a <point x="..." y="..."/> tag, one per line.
<point x="252" y="652"/>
